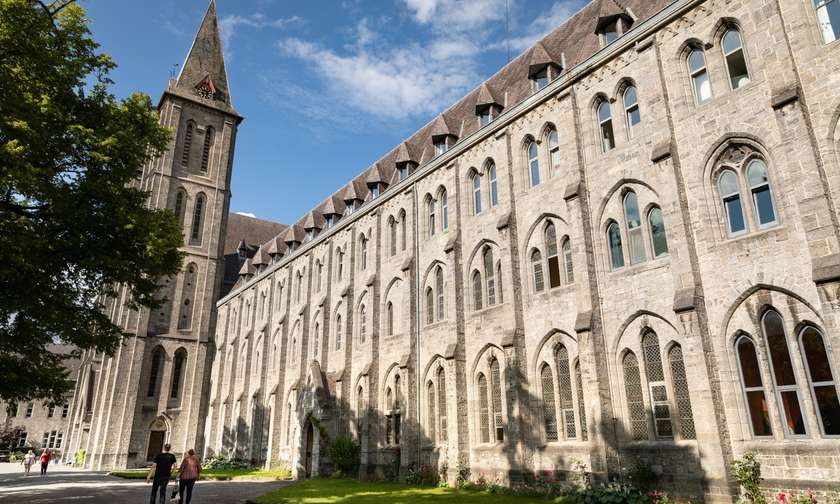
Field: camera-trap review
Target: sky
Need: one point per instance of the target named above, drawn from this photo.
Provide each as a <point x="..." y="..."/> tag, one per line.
<point x="326" y="87"/>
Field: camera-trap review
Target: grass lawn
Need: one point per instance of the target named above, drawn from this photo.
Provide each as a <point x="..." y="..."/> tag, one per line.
<point x="327" y="491"/>
<point x="215" y="474"/>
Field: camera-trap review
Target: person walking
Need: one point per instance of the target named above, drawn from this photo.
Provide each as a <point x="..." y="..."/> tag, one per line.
<point x="162" y="471"/>
<point x="188" y="474"/>
<point x="28" y="460"/>
<point x="45" y="461"/>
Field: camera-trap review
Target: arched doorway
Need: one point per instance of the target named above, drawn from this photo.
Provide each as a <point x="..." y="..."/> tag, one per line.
<point x="309" y="435"/>
<point x="157" y="436"/>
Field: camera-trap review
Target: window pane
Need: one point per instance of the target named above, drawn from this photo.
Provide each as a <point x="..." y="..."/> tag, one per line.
<point x="616" y="254"/>
<point x="702" y="87"/>
<point x="828" y="17"/>
<point x="728" y="183"/>
<point x="549" y="411"/>
<point x="764" y="205"/>
<point x="736" y="64"/>
<point x="829" y="408"/>
<point x="633" y="116"/>
<point x="696" y="60"/>
<point x="552" y="138"/>
<point x="494" y="192"/>
<point x="757" y="173"/>
<point x="735" y="214"/>
<point x="603" y="111"/>
<point x="534" y="163"/>
<point x="635" y="400"/>
<point x="774" y="331"/>
<point x="477" y="194"/>
<point x="815" y="354"/>
<point x="657" y="233"/>
<point x="749" y="364"/>
<point x="629" y="97"/>
<point x="793" y="415"/>
<point x="759" y="416"/>
<point x="567" y="259"/>
<point x="607" y="136"/>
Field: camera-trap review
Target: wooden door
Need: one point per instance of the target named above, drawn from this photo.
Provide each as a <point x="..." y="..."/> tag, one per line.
<point x="155" y="444"/>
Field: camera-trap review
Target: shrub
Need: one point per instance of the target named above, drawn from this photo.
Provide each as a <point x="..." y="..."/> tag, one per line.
<point x="412" y="476"/>
<point x="223" y="463"/>
<point x="614" y="493"/>
<point x="747" y="471"/>
<point x="344" y="453"/>
<point x="463" y="476"/>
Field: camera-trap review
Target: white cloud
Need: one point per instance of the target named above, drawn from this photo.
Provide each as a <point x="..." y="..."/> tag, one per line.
<point x="246" y="214"/>
<point x="459" y="15"/>
<point x="543" y="25"/>
<point x="228" y="25"/>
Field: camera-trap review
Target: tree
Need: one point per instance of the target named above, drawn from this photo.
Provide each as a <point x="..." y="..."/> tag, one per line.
<point x="74" y="225"/>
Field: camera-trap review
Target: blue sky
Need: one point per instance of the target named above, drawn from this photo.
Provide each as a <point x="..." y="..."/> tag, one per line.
<point x="326" y="86"/>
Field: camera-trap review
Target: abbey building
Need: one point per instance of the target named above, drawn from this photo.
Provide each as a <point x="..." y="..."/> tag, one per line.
<point x="622" y="248"/>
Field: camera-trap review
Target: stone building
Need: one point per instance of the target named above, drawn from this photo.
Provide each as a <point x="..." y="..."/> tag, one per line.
<point x="622" y="248"/>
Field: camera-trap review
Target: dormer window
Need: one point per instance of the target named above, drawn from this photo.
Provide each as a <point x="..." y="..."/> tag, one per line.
<point x="311" y="233"/>
<point x="610" y="33"/>
<point x="541" y="79"/>
<point x="440" y="146"/>
<point x="405" y="168"/>
<point x="352" y="206"/>
<point x="329" y="220"/>
<point x="375" y="190"/>
<point x="293" y="246"/>
<point x="487" y="114"/>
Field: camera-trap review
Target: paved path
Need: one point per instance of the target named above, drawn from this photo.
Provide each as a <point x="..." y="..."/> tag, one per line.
<point x="67" y="485"/>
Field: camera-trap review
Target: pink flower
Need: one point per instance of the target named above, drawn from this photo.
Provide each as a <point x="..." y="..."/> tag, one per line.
<point x="781" y="496"/>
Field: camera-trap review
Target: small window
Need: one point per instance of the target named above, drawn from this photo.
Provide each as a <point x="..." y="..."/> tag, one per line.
<point x="444" y="210"/>
<point x="762" y="198"/>
<point x="477" y="288"/>
<point x="430" y="306"/>
<point x="631" y="110"/>
<point x="540" y="79"/>
<point x="551" y="256"/>
<point x="441" y="146"/>
<point x="736" y="62"/>
<point x="430" y="213"/>
<point x="606" y="128"/>
<point x="699" y="76"/>
<point x="821" y="378"/>
<point x="439" y="289"/>
<point x="614" y="242"/>
<point x="534" y="163"/>
<point x="753" y="387"/>
<point x="494" y="190"/>
<point x="553" y="151"/>
<point x="828" y="17"/>
<point x="611" y="33"/>
<point x="537" y="267"/>
<point x="567" y="260"/>
<point x="658" y="239"/>
<point x="477" y="193"/>
<point x="635" y="235"/>
<point x="730" y="195"/>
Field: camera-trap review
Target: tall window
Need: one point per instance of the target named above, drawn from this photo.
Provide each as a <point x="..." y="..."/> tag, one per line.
<point x="441" y="381"/>
<point x="656" y="386"/>
<point x="549" y="409"/>
<point x="658" y="240"/>
<point x="631" y="110"/>
<point x="828" y="17"/>
<point x="439" y="289"/>
<point x="681" y="395"/>
<point x="494" y="185"/>
<point x="430" y="215"/>
<point x="476" y="193"/>
<point x="362" y="323"/>
<point x="821" y="378"/>
<point x="756" y="399"/>
<point x="553" y="151"/>
<point x="614" y="242"/>
<point x="188" y="134"/>
<point x="477" y="288"/>
<point x="180" y="205"/>
<point x="762" y="198"/>
<point x="567" y="260"/>
<point x="584" y="435"/>
<point x="496" y="385"/>
<point x="298" y="286"/>
<point x="402" y="230"/>
<point x="605" y="126"/>
<point x="551" y="256"/>
<point x="339" y="329"/>
<point x="730" y="195"/>
<point x="432" y="419"/>
<point x="209" y="137"/>
<point x="736" y="63"/>
<point x="154" y="372"/>
<point x="430" y="305"/>
<point x="534" y="163"/>
<point x="363" y="253"/>
<point x="635" y="397"/>
<point x="316" y="340"/>
<point x="319" y="270"/>
<point x="564" y="382"/>
<point x="177" y="373"/>
<point x="483" y="410"/>
<point x="392" y="232"/>
<point x="699" y="76"/>
<point x="339" y="264"/>
<point x="784" y="376"/>
<point x="537" y="268"/>
<point x="198" y="211"/>
<point x="389" y="316"/>
<point x="444" y="210"/>
<point x="490" y="276"/>
<point x="635" y="237"/>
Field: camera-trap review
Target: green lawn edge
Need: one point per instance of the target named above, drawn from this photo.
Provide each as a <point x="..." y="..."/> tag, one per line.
<point x="214" y="474"/>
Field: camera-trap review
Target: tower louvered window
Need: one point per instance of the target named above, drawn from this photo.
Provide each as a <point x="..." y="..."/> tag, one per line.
<point x="188" y="134"/>
<point x="496" y="384"/>
<point x="431" y="418"/>
<point x="154" y="373"/>
<point x="656" y="386"/>
<point x="564" y="381"/>
<point x="549" y="408"/>
<point x="441" y="380"/>
<point x="195" y="235"/>
<point x="681" y="395"/>
<point x="180" y="203"/>
<point x="581" y="404"/>
<point x="483" y="413"/>
<point x="177" y="373"/>
<point x="635" y="397"/>
<point x="209" y="138"/>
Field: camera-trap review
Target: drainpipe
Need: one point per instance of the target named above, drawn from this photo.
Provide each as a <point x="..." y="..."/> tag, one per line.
<point x="416" y="248"/>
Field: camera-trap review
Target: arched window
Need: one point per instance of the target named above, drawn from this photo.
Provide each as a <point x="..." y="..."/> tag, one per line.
<point x="828" y="17"/>
<point x="441" y="380"/>
<point x="783" y="373"/>
<point x="316" y="343"/>
<point x="537" y="267"/>
<point x="605" y="126"/>
<point x="499" y="282"/>
<point x="489" y="274"/>
<point x="198" y="211"/>
<point x="392" y="232"/>
<point x="821" y="378"/>
<point x="209" y="138"/>
<point x="679" y="381"/>
<point x="432" y="419"/>
<point x="180" y="205"/>
<point x="552" y="257"/>
<point x="476" y="180"/>
<point x="753" y="387"/>
<point x="584" y="435"/>
<point x="477" y="288"/>
<point x="736" y="62"/>
<point x="430" y="215"/>
<point x="553" y="151"/>
<point x="362" y="323"/>
<point x="154" y="372"/>
<point x="494" y="186"/>
<point x="658" y="239"/>
<point x="549" y="409"/>
<point x="496" y="385"/>
<point x="730" y="195"/>
<point x="363" y="255"/>
<point x="762" y="197"/>
<point x="339" y="264"/>
<point x="534" y="163"/>
<point x="564" y="382"/>
<point x="298" y="286"/>
<point x="444" y="210"/>
<point x="614" y="241"/>
<point x="177" y="373"/>
<point x="635" y="235"/>
<point x="635" y="398"/>
<point x="188" y="134"/>
<point x="402" y="229"/>
<point x="483" y="410"/>
<point x="430" y="306"/>
<point x="279" y="296"/>
<point x="663" y="428"/>
<point x="700" y="82"/>
<point x="631" y="110"/>
<point x="567" y="260"/>
<point x="319" y="270"/>
<point x="389" y="313"/>
<point x="338" y="331"/>
<point x="439" y="289"/>
<point x="361" y="411"/>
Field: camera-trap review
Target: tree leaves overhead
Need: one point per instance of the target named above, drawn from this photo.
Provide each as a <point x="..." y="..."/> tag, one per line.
<point x="73" y="222"/>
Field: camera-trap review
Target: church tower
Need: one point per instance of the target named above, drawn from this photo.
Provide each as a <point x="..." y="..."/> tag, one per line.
<point x="154" y="389"/>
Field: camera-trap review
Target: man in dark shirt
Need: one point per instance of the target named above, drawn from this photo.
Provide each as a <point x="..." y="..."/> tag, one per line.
<point x="161" y="471"/>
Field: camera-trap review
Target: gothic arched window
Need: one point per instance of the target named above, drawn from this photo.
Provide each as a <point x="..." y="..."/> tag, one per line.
<point x="483" y="410"/>
<point x="430" y="305"/>
<point x="489" y="275"/>
<point x="439" y="289"/>
<point x="477" y="288"/>
<point x="736" y="62"/>
<point x="660" y="405"/>
<point x="389" y="314"/>
<point x="658" y="238"/>
<point x="631" y="110"/>
<point x="494" y="186"/>
<point x="444" y="210"/>
<point x="496" y="386"/>
<point x="635" y="397"/>
<point x="537" y="268"/>
<point x="197" y="221"/>
<point x="756" y="399"/>
<point x="338" y="331"/>
<point x="550" y="236"/>
<point x="177" y="373"/>
<point x="605" y="126"/>
<point x="783" y="374"/>
<point x="476" y="181"/>
<point x="762" y="197"/>
<point x="431" y="419"/>
<point x="188" y="135"/>
<point x="553" y="150"/>
<point x="567" y="260"/>
<point x="441" y="382"/>
<point x="821" y="378"/>
<point x="180" y="205"/>
<point x="730" y="195"/>
<point x="362" y="323"/>
<point x="534" y="163"/>
<point x="564" y="382"/>
<point x="681" y="395"/>
<point x="635" y="237"/>
<point x="154" y="372"/>
<point x="614" y="242"/>
<point x="549" y="408"/>
<point x="700" y="82"/>
<point x="209" y="138"/>
<point x="430" y="215"/>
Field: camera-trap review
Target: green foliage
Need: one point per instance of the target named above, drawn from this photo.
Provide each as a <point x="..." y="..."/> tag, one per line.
<point x="10" y="436"/>
<point x="463" y="476"/>
<point x="16" y="456"/>
<point x="747" y="472"/>
<point x="579" y="474"/>
<point x="223" y="463"/>
<point x="344" y="453"/>
<point x="613" y="493"/>
<point x="73" y="222"/>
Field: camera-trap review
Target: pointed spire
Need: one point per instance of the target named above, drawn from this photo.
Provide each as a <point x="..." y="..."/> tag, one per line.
<point x="203" y="75"/>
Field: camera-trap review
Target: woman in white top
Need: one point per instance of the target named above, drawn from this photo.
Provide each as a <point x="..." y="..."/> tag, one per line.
<point x="28" y="460"/>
